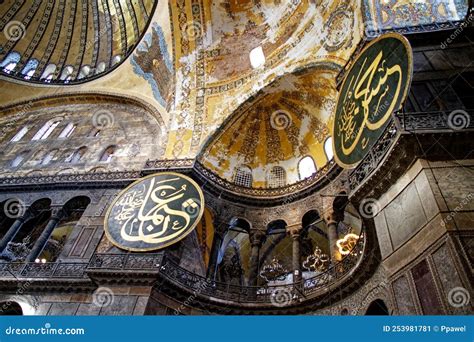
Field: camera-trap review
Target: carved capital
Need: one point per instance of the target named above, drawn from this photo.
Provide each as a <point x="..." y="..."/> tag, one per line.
<point x="332" y="216"/>
<point x="57" y="212"/>
<point x="28" y="214"/>
<point x="294" y="230"/>
<point x="257" y="237"/>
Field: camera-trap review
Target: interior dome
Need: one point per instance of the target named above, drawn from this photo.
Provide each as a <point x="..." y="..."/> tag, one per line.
<point x="68" y="42"/>
<point x="279" y="137"/>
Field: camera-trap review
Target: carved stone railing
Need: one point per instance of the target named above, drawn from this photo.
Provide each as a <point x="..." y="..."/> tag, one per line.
<point x="448" y="25"/>
<point x="433" y="122"/>
<point x="166" y="164"/>
<point x="126" y="262"/>
<point x="214" y="179"/>
<point x="51" y="270"/>
<point x="72" y="178"/>
<point x="287" y="294"/>
<point x="454" y="120"/>
<point x="374" y="157"/>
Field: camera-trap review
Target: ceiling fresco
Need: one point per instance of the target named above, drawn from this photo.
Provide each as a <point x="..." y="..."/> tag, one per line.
<point x="69" y="41"/>
<point x="205" y="65"/>
<point x="286" y="121"/>
<point x="214" y="72"/>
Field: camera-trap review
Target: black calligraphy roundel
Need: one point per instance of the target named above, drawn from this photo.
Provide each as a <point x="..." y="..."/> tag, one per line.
<point x="375" y="87"/>
<point x="154" y="212"/>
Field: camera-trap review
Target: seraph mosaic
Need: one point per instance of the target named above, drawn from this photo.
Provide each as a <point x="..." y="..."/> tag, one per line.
<point x="153" y="62"/>
<point x="391" y="14"/>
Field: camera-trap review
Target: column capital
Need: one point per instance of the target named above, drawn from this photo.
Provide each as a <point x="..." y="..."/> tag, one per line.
<point x="28" y="214"/>
<point x="332" y="216"/>
<point x="257" y="237"/>
<point x="57" y="212"/>
<point x="294" y="230"/>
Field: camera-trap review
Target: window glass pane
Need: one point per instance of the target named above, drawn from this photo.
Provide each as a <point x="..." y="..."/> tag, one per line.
<point x="21" y="133"/>
<point x="306" y="167"/>
<point x="243" y="176"/>
<point x="277" y="177"/>
<point x="328" y="148"/>
<point x="67" y="131"/>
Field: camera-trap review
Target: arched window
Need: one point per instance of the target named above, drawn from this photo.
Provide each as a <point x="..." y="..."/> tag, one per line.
<point x="48" y="157"/>
<point x="20" y="134"/>
<point x="46" y="130"/>
<point x="243" y="176"/>
<point x="18" y="159"/>
<point x="276" y="227"/>
<point x="10" y="308"/>
<point x="276" y="177"/>
<point x="328" y="148"/>
<point x="116" y="59"/>
<point x="67" y="131"/>
<point x="95" y="132"/>
<point x="239" y="225"/>
<point x="108" y="154"/>
<point x="377" y="308"/>
<point x="306" y="167"/>
<point x="10" y="62"/>
<point x="30" y="68"/>
<point x="66" y="74"/>
<point x="85" y="70"/>
<point x="257" y="57"/>
<point x="100" y="68"/>
<point x="48" y="73"/>
<point x="76" y="156"/>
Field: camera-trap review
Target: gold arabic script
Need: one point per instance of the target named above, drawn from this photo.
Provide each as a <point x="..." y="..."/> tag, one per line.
<point x="370" y="103"/>
<point x="157" y="220"/>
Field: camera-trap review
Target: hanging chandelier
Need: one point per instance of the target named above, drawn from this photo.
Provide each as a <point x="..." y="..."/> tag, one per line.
<point x="273" y="271"/>
<point x="318" y="261"/>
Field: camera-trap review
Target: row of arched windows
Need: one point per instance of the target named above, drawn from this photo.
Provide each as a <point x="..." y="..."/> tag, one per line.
<point x="72" y="158"/>
<point x="276" y="177"/>
<point x="47" y="129"/>
<point x="10" y="63"/>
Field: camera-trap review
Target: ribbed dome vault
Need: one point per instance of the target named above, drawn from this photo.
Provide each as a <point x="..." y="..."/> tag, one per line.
<point x="279" y="137"/>
<point x="59" y="41"/>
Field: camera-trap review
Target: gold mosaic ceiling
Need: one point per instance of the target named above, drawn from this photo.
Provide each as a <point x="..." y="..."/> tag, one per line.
<point x="286" y="121"/>
<point x="64" y="41"/>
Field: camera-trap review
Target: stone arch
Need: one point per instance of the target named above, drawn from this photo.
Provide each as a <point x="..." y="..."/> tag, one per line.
<point x="377" y="308"/>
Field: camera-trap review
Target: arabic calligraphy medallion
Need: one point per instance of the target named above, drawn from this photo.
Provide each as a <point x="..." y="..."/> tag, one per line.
<point x="375" y="87"/>
<point x="154" y="212"/>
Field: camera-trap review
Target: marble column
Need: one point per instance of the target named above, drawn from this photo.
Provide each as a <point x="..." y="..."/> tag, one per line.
<point x="15" y="228"/>
<point x="295" y="231"/>
<point x="257" y="238"/>
<point x="216" y="246"/>
<point x="332" y="219"/>
<point x="57" y="213"/>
